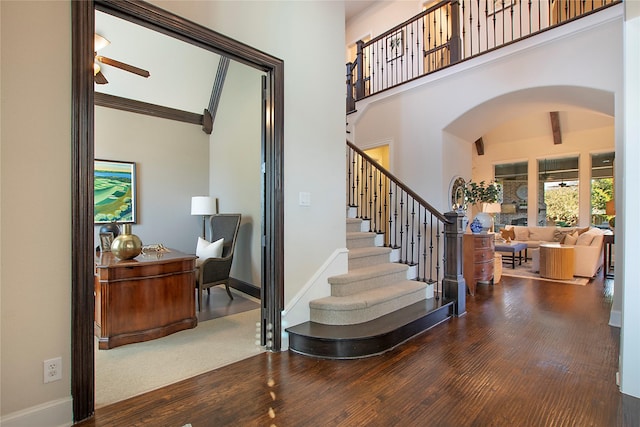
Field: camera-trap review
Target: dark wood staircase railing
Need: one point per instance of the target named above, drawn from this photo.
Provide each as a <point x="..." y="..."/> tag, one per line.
<point x="427" y="240"/>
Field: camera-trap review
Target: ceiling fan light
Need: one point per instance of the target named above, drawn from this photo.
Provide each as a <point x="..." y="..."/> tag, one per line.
<point x="96" y="68"/>
<point x="99" y="42"/>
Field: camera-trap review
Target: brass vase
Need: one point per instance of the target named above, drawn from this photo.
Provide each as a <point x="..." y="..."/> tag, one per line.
<point x="126" y="245"/>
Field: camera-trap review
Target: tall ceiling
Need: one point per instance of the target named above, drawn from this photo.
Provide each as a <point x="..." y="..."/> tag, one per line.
<point x="182" y="75"/>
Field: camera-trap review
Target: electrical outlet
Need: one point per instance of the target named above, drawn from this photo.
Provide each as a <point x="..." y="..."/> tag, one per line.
<point x="52" y="369"/>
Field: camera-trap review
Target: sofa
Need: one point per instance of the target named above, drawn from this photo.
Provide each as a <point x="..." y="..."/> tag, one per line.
<point x="587" y="243"/>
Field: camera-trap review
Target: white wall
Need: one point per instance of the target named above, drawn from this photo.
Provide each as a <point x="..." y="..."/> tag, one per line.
<point x="35" y="268"/>
<point x="172" y="165"/>
<point x="235" y="176"/>
<point x="314" y="139"/>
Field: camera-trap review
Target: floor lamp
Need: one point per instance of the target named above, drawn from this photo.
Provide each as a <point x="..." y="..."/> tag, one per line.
<point x="205" y="206"/>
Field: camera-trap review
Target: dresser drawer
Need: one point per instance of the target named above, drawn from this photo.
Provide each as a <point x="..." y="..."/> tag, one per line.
<point x="482" y="255"/>
<point x="483" y="271"/>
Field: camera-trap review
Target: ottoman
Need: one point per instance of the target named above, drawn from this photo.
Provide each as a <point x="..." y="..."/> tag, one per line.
<point x="535" y="260"/>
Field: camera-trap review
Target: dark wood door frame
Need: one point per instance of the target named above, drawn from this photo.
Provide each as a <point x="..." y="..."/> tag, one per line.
<point x="83" y="25"/>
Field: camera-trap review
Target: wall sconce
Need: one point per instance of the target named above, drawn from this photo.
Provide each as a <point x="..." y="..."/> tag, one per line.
<point x="205" y="206"/>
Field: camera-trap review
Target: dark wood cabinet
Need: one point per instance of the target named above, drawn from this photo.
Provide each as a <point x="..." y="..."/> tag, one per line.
<point x="478" y="253"/>
<point x="148" y="297"/>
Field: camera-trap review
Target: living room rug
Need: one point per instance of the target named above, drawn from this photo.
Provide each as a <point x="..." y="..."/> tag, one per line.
<point x="524" y="271"/>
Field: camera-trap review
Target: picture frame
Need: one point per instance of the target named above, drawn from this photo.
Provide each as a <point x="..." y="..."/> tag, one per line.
<point x="105" y="241"/>
<point x="395" y="45"/>
<point x="114" y="192"/>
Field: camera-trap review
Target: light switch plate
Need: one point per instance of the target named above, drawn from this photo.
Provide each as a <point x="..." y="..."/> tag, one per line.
<point x="305" y="198"/>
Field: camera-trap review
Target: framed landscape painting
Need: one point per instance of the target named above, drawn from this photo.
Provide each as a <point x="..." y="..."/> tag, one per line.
<point x="114" y="192"/>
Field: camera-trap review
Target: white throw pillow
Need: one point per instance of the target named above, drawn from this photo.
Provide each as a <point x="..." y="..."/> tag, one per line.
<point x="207" y="249"/>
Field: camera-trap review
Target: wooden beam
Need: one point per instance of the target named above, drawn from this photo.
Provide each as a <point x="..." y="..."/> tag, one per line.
<point x="216" y="91"/>
<point x="480" y="146"/>
<point x="555" y="127"/>
<point x="133" y="106"/>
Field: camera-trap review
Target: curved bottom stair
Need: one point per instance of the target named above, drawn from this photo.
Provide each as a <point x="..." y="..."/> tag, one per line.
<point x="368" y="338"/>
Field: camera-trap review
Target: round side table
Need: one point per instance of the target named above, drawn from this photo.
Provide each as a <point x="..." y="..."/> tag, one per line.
<point x="556" y="261"/>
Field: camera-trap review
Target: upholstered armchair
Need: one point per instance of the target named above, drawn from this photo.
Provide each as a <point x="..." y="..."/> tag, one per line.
<point x="215" y="271"/>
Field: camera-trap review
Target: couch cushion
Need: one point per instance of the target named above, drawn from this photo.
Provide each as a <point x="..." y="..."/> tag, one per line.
<point x="560" y="233"/>
<point x="541" y="234"/>
<point x="583" y="230"/>
<point x="522" y="233"/>
<point x="571" y="239"/>
<point x="585" y="239"/>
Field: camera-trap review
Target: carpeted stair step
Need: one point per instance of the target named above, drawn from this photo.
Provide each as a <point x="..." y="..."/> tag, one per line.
<point x="368" y="305"/>
<point x="354" y="225"/>
<point x="366" y="257"/>
<point x="367" y="278"/>
<point x="360" y="239"/>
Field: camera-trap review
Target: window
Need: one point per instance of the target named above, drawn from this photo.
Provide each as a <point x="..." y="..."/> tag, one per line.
<point x="513" y="177"/>
<point x="602" y="189"/>
<point x="558" y="186"/>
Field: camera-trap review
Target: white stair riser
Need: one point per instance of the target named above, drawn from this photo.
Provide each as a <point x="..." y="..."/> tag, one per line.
<point x="367" y="261"/>
<point x="412" y="272"/>
<point x="361" y="241"/>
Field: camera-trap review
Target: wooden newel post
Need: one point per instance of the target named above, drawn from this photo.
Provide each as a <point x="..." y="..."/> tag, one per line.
<point x="351" y="102"/>
<point x="453" y="283"/>
<point x="455" y="44"/>
<point x="359" y="70"/>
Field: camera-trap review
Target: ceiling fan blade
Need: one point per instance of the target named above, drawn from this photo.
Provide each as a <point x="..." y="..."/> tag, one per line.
<point x="122" y="66"/>
<point x="100" y="79"/>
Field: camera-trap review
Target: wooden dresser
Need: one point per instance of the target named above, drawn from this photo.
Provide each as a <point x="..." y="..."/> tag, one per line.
<point x="478" y="253"/>
<point x="144" y="298"/>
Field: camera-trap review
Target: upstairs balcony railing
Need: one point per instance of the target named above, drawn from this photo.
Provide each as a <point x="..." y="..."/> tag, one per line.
<point x="452" y="31"/>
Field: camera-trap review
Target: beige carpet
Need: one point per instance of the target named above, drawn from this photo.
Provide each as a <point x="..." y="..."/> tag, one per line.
<point x="524" y="271"/>
<point x="129" y="370"/>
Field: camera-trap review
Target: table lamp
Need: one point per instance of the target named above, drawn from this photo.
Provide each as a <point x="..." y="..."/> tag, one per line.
<point x="492" y="208"/>
<point x="205" y="206"/>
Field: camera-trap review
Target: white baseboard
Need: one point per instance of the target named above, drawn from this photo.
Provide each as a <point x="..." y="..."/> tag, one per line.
<point x="615" y="318"/>
<point x="56" y="413"/>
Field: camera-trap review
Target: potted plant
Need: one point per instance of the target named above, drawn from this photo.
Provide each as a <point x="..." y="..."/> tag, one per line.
<point x="483" y="194"/>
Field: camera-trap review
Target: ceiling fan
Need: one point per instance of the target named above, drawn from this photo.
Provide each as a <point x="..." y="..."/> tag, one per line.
<point x="99" y="78"/>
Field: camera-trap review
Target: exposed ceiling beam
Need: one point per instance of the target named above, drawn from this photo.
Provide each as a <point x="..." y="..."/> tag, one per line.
<point x="216" y="91"/>
<point x="555" y="127"/>
<point x="133" y="106"/>
<point x="480" y="146"/>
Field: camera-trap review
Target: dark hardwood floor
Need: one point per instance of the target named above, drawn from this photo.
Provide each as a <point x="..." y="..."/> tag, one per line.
<point x="527" y="353"/>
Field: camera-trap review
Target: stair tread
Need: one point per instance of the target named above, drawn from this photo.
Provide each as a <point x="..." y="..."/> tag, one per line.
<point x="368" y="251"/>
<point x="360" y="234"/>
<point x="365" y="273"/>
<point x="384" y="324"/>
<point x="368" y="298"/>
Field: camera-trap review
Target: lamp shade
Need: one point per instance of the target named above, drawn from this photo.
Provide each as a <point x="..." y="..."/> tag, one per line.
<point x="203" y="205"/>
<point x="491" y="207"/>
